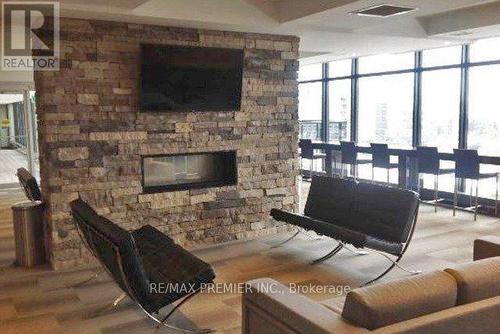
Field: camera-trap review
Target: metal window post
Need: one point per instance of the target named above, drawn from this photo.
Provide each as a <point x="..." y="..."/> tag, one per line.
<point x="417" y="101"/>
<point x="414" y="180"/>
<point x="464" y="98"/>
<point x="464" y="106"/>
<point x="354" y="99"/>
<point x="325" y="112"/>
<point x="28" y="125"/>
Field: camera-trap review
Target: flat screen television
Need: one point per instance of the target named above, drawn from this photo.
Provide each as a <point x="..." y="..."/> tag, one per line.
<point x="180" y="78"/>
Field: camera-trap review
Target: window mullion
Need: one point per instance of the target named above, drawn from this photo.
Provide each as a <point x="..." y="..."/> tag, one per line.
<point x="464" y="98"/>
<point x="354" y="99"/>
<point x="417" y="101"/>
<point x="324" y="105"/>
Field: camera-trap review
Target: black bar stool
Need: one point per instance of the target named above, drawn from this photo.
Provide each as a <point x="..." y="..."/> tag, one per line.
<point x="349" y="156"/>
<point x="429" y="163"/>
<point x="467" y="166"/>
<point x="307" y="152"/>
<point x="381" y="159"/>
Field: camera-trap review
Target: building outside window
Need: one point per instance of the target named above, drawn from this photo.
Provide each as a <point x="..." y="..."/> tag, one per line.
<point x="310" y="110"/>
<point x="339" y="125"/>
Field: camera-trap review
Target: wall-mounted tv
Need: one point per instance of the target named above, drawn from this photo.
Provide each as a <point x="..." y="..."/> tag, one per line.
<point x="180" y="78"/>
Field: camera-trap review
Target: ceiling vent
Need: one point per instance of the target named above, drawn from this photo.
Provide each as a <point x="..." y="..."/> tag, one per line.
<point x="384" y="10"/>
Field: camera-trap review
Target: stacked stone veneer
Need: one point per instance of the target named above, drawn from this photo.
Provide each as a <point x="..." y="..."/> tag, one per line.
<point x="92" y="135"/>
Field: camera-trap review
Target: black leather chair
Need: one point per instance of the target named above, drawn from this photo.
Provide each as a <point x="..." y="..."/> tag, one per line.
<point x="364" y="215"/>
<point x="467" y="166"/>
<point x="382" y="159"/>
<point x="429" y="163"/>
<point x="29" y="184"/>
<point x="142" y="261"/>
<point x="349" y="156"/>
<point x="307" y="152"/>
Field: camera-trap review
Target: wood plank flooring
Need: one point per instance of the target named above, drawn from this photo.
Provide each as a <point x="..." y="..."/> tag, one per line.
<point x="39" y="300"/>
<point x="10" y="161"/>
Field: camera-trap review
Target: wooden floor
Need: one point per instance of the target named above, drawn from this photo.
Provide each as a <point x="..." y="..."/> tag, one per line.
<point x="39" y="301"/>
<point x="10" y="161"/>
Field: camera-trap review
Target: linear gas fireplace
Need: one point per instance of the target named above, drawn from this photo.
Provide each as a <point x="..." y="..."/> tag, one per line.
<point x="188" y="171"/>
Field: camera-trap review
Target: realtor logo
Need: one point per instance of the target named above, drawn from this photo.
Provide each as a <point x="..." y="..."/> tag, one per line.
<point x="30" y="36"/>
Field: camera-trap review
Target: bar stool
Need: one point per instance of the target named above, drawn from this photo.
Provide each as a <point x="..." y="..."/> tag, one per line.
<point x="429" y="163"/>
<point x="381" y="159"/>
<point x="349" y="156"/>
<point x="467" y="166"/>
<point x="307" y="152"/>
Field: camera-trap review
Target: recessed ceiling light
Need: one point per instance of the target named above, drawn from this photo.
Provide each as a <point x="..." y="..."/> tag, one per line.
<point x="384" y="10"/>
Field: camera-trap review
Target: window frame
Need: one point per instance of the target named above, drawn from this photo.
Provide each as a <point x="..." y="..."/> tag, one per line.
<point x="465" y="65"/>
<point x="417" y="70"/>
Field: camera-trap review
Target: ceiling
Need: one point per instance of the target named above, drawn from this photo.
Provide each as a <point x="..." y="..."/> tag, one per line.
<point x="327" y="28"/>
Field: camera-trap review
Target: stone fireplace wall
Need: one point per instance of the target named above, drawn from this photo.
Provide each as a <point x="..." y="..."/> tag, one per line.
<point x="92" y="135"/>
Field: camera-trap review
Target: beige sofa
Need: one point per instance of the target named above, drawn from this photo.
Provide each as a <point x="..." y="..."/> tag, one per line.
<point x="464" y="299"/>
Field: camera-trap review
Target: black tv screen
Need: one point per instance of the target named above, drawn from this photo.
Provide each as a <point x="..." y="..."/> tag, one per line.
<point x="180" y="78"/>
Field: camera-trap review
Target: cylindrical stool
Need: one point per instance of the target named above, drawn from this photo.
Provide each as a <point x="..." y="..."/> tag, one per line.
<point x="29" y="233"/>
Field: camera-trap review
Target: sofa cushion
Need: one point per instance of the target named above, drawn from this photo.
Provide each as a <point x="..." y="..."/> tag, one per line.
<point x="336" y="304"/>
<point x="477" y="280"/>
<point x="384" y="304"/>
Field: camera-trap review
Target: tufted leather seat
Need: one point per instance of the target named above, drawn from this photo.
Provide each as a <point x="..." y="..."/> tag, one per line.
<point x="364" y="215"/>
<point x="141" y="257"/>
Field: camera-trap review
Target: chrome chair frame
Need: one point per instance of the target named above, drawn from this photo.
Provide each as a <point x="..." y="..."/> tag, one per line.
<point x="299" y="231"/>
<point x="130" y="293"/>
<point x="342" y="245"/>
<point x="395" y="263"/>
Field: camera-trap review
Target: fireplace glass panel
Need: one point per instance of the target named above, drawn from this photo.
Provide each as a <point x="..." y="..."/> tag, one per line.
<point x="174" y="172"/>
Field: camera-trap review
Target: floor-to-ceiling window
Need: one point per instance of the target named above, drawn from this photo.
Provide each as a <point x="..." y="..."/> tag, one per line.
<point x="386" y="110"/>
<point x="484" y="107"/>
<point x="441" y="109"/>
<point x="444" y="97"/>
<point x="339" y="125"/>
<point x="440" y="106"/>
<point x="339" y="100"/>
<point x="310" y="101"/>
<point x="386" y="63"/>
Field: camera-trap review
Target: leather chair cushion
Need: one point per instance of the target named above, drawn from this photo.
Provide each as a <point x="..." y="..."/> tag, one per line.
<point x="394" y="248"/>
<point x="385" y="213"/>
<point x="170" y="265"/>
<point x="146" y="256"/>
<point x="477" y="280"/>
<point x="330" y="200"/>
<point x="354" y="238"/>
<point x="388" y="303"/>
<point x="102" y="237"/>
